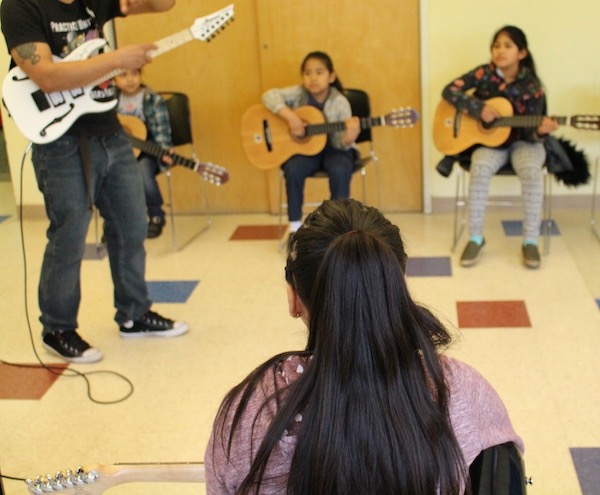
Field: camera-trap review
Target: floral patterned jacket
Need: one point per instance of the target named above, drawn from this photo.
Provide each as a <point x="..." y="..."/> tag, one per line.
<point x="469" y="92"/>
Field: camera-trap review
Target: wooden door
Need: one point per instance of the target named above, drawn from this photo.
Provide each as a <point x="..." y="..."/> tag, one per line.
<point x="375" y="47"/>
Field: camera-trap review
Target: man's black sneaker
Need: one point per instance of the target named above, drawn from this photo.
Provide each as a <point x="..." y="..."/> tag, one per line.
<point x="155" y="227"/>
<point x="70" y="346"/>
<point x="151" y="324"/>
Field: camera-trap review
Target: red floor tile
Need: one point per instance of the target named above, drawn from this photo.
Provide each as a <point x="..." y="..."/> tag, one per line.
<point x="477" y="314"/>
<point x="255" y="232"/>
<point x="27" y="382"/>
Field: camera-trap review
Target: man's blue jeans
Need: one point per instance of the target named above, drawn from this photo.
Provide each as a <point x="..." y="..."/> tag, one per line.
<point x="149" y="166"/>
<point x="116" y="189"/>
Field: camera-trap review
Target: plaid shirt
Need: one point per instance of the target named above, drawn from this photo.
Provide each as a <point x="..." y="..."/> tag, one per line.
<point x="157" y="119"/>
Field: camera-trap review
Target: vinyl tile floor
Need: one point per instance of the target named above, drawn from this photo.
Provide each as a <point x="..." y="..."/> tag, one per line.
<point x="534" y="334"/>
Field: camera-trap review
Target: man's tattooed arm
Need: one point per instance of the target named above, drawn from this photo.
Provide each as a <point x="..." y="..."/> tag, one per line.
<point x="27" y="52"/>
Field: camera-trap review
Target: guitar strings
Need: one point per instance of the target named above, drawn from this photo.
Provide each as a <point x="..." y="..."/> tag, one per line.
<point x="59" y="371"/>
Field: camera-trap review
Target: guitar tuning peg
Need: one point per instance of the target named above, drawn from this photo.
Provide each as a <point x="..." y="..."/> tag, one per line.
<point x="43" y="483"/>
<point x="528" y="480"/>
<point x="91" y="477"/>
<point x="33" y="487"/>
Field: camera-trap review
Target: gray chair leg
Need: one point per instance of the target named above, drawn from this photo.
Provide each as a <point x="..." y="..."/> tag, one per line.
<point x="460" y="204"/>
<point x="594" y="198"/>
<point x="281" y="206"/>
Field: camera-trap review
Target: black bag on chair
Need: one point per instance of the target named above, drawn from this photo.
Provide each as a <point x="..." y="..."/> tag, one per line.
<point x="498" y="470"/>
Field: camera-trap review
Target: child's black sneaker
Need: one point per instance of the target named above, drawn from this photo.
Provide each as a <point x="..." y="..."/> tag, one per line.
<point x="152" y="324"/>
<point x="70" y="346"/>
<point x="155" y="227"/>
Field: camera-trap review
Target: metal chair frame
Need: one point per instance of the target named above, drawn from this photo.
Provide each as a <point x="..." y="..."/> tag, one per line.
<point x="594" y="199"/>
<point x="178" y="106"/>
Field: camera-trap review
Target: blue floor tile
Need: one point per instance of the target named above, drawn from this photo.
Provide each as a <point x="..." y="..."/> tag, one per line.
<point x="439" y="266"/>
<point x="587" y="466"/>
<point x="598" y="303"/>
<point x="3" y="217"/>
<point x="515" y="228"/>
<point x="171" y="292"/>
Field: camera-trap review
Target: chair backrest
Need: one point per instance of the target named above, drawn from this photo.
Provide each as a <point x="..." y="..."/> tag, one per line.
<point x="498" y="470"/>
<point x="178" y="105"/>
<point x="361" y="107"/>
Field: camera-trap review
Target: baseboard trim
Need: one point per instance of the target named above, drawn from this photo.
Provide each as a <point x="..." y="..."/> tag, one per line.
<point x="574" y="202"/>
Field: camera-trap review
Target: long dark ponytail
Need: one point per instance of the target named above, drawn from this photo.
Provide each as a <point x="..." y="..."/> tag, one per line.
<point x="373" y="398"/>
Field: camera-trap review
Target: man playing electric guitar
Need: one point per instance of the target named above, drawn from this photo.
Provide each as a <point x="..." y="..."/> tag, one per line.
<point x="92" y="164"/>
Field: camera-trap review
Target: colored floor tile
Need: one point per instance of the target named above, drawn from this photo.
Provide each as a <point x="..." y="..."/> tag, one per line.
<point x="172" y="291"/>
<point x="93" y="252"/>
<point x="3" y="217"/>
<point x="255" y="233"/>
<point x="28" y="382"/>
<point x="515" y="228"/>
<point x="598" y="303"/>
<point x="434" y="266"/>
<point x="587" y="465"/>
<point x="488" y="314"/>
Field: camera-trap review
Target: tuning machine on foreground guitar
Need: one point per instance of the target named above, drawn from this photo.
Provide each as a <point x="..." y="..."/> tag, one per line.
<point x="96" y="479"/>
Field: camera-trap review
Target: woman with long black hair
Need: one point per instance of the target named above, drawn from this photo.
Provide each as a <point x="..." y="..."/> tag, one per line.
<point x="370" y="406"/>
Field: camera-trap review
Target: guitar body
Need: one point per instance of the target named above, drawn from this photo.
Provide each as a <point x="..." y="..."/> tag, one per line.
<point x="267" y="140"/>
<point x="44" y="117"/>
<point x="470" y="131"/>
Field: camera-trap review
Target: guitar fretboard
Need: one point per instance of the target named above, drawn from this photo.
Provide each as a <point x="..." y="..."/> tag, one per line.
<point x="329" y="127"/>
<point x="524" y="121"/>
<point x="158" y="151"/>
<point x="163" y="45"/>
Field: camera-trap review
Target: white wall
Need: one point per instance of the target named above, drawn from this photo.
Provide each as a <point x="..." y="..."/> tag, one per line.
<point x="564" y="40"/>
<point x="563" y="37"/>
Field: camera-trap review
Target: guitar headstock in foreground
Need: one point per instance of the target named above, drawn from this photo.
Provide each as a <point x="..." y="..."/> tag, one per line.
<point x="95" y="479"/>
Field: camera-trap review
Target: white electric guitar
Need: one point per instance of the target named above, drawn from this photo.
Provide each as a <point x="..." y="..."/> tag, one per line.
<point x="95" y="479"/>
<point x="44" y="117"/>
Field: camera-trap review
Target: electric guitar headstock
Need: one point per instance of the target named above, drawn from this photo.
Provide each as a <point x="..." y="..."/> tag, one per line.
<point x="586" y="122"/>
<point x="207" y="27"/>
<point x="95" y="479"/>
<point x="402" y="117"/>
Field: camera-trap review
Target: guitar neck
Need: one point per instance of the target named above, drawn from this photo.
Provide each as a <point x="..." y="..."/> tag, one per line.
<point x="158" y="151"/>
<point x="329" y="127"/>
<point x="524" y="121"/>
<point x="131" y="473"/>
<point x="164" y="45"/>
